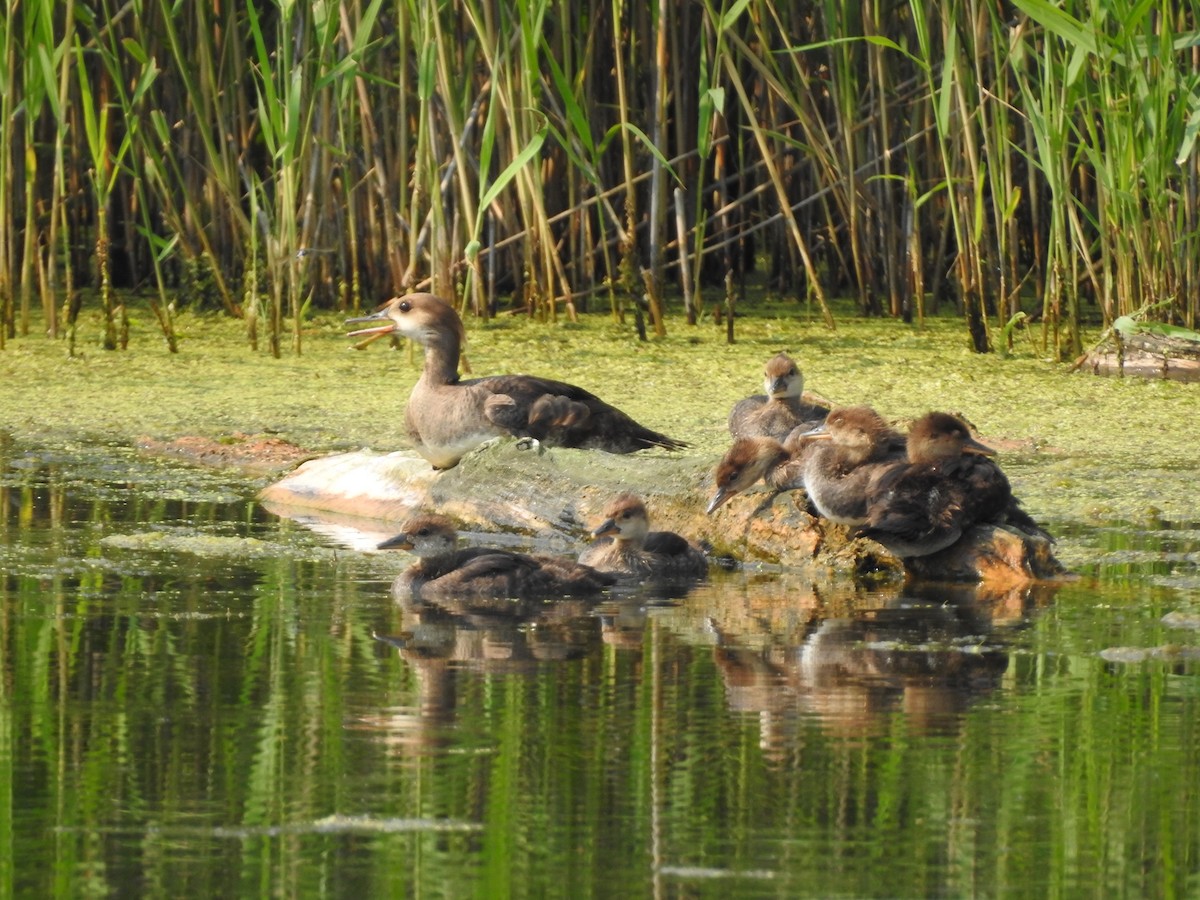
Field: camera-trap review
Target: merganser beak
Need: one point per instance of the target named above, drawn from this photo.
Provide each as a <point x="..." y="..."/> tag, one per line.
<point x="605" y="528"/>
<point x="973" y="446"/>
<point x="718" y="500"/>
<point x="380" y="316"/>
<point x="399" y="542"/>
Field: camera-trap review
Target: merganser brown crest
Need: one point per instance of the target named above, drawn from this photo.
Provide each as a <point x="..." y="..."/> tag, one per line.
<point x="781" y="408"/>
<point x="447" y="417"/>
<point x="625" y="545"/>
<point x="445" y="570"/>
<point x="948" y="484"/>
<point x="857" y="448"/>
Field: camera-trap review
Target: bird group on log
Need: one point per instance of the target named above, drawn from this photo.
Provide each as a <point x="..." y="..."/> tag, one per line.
<point x="915" y="493"/>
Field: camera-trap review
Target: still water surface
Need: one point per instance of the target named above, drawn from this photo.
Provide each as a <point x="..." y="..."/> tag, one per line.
<point x="198" y="698"/>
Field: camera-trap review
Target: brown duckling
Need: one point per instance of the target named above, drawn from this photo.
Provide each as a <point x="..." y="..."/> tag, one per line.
<point x="444" y="570"/>
<point x="751" y="459"/>
<point x="948" y="484"/>
<point x="781" y="409"/>
<point x="857" y="448"/>
<point x="447" y="417"/>
<point x="625" y="545"/>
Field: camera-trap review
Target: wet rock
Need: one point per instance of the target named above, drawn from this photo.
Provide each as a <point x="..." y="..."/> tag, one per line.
<point x="555" y="496"/>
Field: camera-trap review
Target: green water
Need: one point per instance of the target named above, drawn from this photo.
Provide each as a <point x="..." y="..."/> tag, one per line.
<point x="194" y="702"/>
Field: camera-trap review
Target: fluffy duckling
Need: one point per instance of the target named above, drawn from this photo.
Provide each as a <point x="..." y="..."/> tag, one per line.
<point x="444" y="570"/>
<point x="781" y="409"/>
<point x="856" y="449"/>
<point x="625" y="545"/>
<point x="753" y="459"/>
<point x="948" y="484"/>
<point x="447" y="417"/>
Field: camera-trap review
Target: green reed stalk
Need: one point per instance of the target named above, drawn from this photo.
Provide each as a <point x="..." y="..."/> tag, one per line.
<point x="114" y="51"/>
<point x="764" y="146"/>
<point x="585" y="151"/>
<point x="105" y="167"/>
<point x="196" y="63"/>
<point x="8" y="145"/>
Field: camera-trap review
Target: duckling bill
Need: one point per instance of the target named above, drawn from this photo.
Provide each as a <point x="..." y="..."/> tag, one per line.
<point x="447" y="416"/>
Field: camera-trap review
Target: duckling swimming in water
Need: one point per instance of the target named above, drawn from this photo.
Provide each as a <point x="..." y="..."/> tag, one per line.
<point x="948" y="484"/>
<point x="447" y="417"/>
<point x="626" y="546"/>
<point x="443" y="569"/>
<point x="857" y="448"/>
<point x="781" y="409"/>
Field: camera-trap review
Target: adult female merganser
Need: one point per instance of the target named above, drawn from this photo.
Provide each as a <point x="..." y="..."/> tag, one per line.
<point x="448" y="417"/>
<point x="625" y="545"/>
<point x="444" y="570"/>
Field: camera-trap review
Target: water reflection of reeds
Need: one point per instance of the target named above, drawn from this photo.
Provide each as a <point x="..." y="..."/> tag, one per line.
<point x="216" y="724"/>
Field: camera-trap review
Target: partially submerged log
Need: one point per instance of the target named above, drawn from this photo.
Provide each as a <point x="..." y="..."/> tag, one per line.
<point x="1146" y="354"/>
<point x="553" y="497"/>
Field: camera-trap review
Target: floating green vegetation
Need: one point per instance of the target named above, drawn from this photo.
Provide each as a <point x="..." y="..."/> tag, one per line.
<point x="1076" y="446"/>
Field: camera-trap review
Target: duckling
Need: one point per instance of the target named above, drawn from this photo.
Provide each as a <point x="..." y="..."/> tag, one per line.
<point x="448" y="417"/>
<point x="444" y="570"/>
<point x="857" y="449"/>
<point x="948" y="484"/>
<point x="625" y="545"/>
<point x="751" y="459"/>
<point x="781" y="409"/>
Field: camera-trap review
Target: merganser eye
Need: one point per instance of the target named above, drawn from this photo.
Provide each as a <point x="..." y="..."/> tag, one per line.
<point x="405" y="306"/>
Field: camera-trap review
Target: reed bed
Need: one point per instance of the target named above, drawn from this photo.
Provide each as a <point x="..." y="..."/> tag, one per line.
<point x="1034" y="160"/>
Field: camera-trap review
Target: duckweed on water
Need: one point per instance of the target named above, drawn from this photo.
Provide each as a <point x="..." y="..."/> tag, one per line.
<point x="1076" y="446"/>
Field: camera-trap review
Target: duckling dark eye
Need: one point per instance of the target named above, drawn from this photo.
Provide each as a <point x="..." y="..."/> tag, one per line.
<point x="405" y="306"/>
<point x="424" y="532"/>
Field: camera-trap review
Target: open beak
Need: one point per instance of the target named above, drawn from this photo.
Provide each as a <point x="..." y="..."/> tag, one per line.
<point x="384" y="326"/>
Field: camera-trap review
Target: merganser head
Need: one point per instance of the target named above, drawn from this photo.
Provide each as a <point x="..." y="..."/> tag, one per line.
<point x="744" y="463"/>
<point x="625" y="519"/>
<point x="782" y="378"/>
<point x="424" y="536"/>
<point x="853" y="427"/>
<point x="425" y="318"/>
<point x="938" y="436"/>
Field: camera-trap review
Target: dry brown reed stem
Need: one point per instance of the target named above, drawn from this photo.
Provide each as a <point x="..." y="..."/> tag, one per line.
<point x="895" y="156"/>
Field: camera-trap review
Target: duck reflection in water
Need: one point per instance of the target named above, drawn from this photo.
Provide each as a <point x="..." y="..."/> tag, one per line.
<point x="449" y="638"/>
<point x="927" y="652"/>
